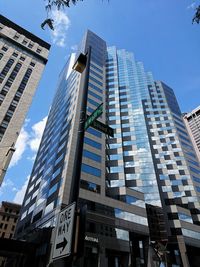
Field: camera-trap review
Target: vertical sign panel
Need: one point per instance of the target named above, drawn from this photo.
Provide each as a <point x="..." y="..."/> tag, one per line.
<point x="64" y="232"/>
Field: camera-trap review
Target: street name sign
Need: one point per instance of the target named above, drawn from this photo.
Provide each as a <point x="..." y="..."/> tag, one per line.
<point x="95" y="114"/>
<point x="64" y="232"/>
<point x="103" y="128"/>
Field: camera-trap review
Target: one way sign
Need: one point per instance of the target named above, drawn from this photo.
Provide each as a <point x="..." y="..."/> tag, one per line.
<point x="64" y="232"/>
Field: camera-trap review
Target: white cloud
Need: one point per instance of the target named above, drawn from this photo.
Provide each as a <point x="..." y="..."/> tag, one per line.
<point x="20" y="194"/>
<point x="6" y="185"/>
<point x="31" y="158"/>
<point x="26" y="122"/>
<point x="61" y="25"/>
<point x="36" y="135"/>
<point x="192" y="5"/>
<point x="20" y="147"/>
<point x="28" y="140"/>
<point x="74" y="47"/>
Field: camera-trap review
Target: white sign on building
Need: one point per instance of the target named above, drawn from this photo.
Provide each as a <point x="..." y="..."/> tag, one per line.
<point x="64" y="232"/>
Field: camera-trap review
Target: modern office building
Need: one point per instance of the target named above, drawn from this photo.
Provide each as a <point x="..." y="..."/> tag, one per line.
<point x="140" y="186"/>
<point x="23" y="57"/>
<point x="192" y="121"/>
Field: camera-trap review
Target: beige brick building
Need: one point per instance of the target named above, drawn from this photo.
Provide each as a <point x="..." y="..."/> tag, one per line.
<point x="192" y="122"/>
<point x="23" y="57"/>
<point x="9" y="213"/>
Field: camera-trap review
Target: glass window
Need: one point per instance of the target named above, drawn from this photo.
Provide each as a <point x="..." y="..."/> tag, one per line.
<point x="96" y="81"/>
<point x="95" y="74"/>
<point x="4" y="48"/>
<point x="61" y="146"/>
<point x="56" y="173"/>
<point x="48" y="171"/>
<point x="95" y="88"/>
<point x="194" y="162"/>
<point x="116" y="157"/>
<point x="194" y="170"/>
<point x="91" y="101"/>
<point x="92" y="143"/>
<point x="53" y="189"/>
<point x="15" y="54"/>
<point x="39" y="50"/>
<point x="91" y="155"/>
<point x="30" y="45"/>
<point x="16" y="36"/>
<point x="35" y="194"/>
<point x="27" y="201"/>
<point x="95" y="95"/>
<point x="38" y="181"/>
<point x="25" y="41"/>
<point x="90" y="186"/>
<point x="90" y="110"/>
<point x="6" y="69"/>
<point x="31" y="208"/>
<point x="135" y="201"/>
<point x="49" y="208"/>
<point x="23" y="215"/>
<point x="130" y="217"/>
<point x="190" y="233"/>
<point x="96" y="68"/>
<point x="59" y="159"/>
<point x="22" y="58"/>
<point x="91" y="170"/>
<point x="31" y="188"/>
<point x="197" y="188"/>
<point x="117" y="183"/>
<point x="32" y="64"/>
<point x="117" y="169"/>
<point x="196" y="179"/>
<point x="94" y="132"/>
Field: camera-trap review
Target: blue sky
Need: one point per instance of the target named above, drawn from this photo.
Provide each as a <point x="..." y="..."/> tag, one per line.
<point x="159" y="32"/>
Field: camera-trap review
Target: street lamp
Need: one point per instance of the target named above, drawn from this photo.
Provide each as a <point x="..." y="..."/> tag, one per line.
<point x="82" y="64"/>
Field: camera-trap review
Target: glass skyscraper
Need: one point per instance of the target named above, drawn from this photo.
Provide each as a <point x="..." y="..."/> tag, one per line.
<point x="140" y="186"/>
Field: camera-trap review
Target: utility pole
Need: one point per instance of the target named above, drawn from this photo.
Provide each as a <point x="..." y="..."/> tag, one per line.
<point x="76" y="174"/>
<point x="81" y="130"/>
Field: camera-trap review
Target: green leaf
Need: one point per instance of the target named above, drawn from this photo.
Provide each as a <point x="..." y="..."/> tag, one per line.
<point x="49" y="23"/>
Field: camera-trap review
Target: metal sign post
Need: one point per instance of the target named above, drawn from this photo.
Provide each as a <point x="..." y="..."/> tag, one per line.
<point x="95" y="114"/>
<point x="103" y="128"/>
<point x="64" y="232"/>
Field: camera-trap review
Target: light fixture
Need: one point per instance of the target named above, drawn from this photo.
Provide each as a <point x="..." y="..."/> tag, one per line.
<point x="80" y="63"/>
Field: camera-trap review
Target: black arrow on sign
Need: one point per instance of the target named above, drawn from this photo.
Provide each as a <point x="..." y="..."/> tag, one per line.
<point x="62" y="244"/>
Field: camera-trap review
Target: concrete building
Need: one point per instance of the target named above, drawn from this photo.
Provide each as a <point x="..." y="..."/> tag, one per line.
<point x="144" y="174"/>
<point x="23" y="57"/>
<point x="9" y="213"/>
<point x="192" y="121"/>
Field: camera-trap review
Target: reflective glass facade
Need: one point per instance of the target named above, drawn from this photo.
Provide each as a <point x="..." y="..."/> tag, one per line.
<point x="140" y="181"/>
<point x="127" y="85"/>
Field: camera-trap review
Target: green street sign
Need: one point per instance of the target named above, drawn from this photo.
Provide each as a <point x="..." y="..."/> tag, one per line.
<point x="95" y="114"/>
<point x="103" y="128"/>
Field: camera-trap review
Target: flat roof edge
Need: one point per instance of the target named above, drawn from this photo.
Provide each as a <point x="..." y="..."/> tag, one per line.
<point x="26" y="33"/>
